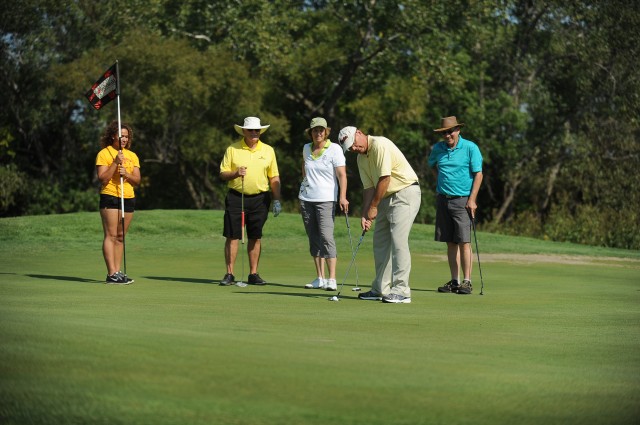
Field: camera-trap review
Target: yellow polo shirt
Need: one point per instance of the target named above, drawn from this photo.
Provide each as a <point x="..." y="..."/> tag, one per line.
<point x="260" y="162"/>
<point x="106" y="157"/>
<point x="384" y="158"/>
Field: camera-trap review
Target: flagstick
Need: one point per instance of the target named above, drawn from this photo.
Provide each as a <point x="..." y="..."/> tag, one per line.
<point x="124" y="246"/>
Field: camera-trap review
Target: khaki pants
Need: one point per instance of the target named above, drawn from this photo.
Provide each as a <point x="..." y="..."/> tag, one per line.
<point x="391" y="241"/>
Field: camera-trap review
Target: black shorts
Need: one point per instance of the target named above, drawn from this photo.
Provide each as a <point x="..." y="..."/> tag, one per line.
<point x="256" y="211"/>
<point x="114" y="203"/>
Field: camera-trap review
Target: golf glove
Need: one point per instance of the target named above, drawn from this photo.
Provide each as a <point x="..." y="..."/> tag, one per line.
<point x="277" y="208"/>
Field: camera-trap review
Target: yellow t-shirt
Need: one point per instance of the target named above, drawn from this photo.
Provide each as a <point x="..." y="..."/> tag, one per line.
<point x="106" y="157"/>
<point x="384" y="158"/>
<point x="260" y="162"/>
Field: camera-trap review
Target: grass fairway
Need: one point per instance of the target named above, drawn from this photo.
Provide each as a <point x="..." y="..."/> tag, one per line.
<point x="554" y="340"/>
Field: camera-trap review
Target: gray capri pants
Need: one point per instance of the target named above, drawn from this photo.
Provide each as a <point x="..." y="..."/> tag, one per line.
<point x="318" y="218"/>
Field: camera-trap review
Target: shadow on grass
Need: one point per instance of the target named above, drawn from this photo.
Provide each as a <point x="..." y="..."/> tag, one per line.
<point x="67" y="278"/>
<point x="284" y="285"/>
<point x="183" y="279"/>
<point x="321" y="296"/>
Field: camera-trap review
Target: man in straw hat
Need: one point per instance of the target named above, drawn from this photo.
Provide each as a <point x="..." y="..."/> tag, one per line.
<point x="250" y="169"/>
<point x="457" y="165"/>
<point x="391" y="197"/>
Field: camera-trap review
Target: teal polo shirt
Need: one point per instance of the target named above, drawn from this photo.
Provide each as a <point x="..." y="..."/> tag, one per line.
<point x="456" y="167"/>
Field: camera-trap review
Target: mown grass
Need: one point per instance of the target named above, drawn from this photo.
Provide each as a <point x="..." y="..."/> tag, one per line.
<point x="549" y="342"/>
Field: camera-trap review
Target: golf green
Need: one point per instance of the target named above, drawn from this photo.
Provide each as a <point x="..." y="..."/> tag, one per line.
<point x="555" y="338"/>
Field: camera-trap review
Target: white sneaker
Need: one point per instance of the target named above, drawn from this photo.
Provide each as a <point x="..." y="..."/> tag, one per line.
<point x="331" y="285"/>
<point x="319" y="283"/>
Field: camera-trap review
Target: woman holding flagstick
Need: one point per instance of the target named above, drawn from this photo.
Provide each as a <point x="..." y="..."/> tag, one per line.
<point x="118" y="169"/>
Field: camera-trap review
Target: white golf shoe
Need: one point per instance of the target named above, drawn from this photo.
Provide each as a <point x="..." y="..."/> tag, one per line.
<point x="331" y="285"/>
<point x="319" y="283"/>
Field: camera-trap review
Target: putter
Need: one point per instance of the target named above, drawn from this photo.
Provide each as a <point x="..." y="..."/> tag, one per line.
<point x="241" y="283"/>
<point x="337" y="296"/>
<point x="473" y="222"/>
<point x="346" y="217"/>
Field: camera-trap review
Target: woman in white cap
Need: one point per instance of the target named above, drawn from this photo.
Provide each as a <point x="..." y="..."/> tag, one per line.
<point x="250" y="169"/>
<point x="323" y="178"/>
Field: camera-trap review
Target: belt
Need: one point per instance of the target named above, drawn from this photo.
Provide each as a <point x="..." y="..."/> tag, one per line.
<point x="412" y="184"/>
<point x="450" y="196"/>
<point x="235" y="192"/>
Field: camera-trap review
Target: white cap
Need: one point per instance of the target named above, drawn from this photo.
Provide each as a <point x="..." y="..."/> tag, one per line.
<point x="346" y="137"/>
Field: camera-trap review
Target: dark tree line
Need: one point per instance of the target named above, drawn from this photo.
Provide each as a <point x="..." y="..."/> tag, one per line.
<point x="550" y="90"/>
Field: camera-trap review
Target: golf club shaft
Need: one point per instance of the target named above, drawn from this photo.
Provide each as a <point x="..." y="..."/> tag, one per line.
<point x="473" y="222"/>
<point x="353" y="258"/>
<point x="346" y="216"/>
<point x="242" y="223"/>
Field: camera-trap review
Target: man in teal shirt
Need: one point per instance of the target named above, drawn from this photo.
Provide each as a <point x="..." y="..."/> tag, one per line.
<point x="457" y="165"/>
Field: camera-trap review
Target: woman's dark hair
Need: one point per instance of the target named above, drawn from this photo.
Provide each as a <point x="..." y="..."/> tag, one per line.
<point x="112" y="131"/>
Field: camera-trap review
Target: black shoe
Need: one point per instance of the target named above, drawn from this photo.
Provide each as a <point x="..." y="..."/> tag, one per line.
<point x="465" y="287"/>
<point x="116" y="279"/>
<point x="228" y="280"/>
<point x="370" y="296"/>
<point x="125" y="278"/>
<point x="255" y="279"/>
<point x="450" y="287"/>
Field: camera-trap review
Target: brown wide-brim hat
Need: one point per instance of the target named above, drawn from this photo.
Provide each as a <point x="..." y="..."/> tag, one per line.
<point x="447" y="123"/>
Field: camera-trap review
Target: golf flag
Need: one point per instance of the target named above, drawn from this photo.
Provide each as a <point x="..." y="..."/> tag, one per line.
<point x="105" y="89"/>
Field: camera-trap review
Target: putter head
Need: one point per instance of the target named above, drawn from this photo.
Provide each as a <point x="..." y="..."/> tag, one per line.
<point x="241" y="284"/>
<point x="334" y="298"/>
<point x="357" y="289"/>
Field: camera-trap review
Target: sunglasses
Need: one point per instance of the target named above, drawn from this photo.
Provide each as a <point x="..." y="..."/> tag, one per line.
<point x="449" y="132"/>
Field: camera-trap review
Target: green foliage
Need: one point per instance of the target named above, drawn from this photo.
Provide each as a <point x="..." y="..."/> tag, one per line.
<point x="12" y="182"/>
<point x="548" y="90"/>
<point x="41" y="197"/>
<point x="596" y="225"/>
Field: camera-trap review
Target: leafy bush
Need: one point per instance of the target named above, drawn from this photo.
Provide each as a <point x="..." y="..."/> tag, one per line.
<point x="525" y="223"/>
<point x="594" y="225"/>
<point x="40" y="197"/>
<point x="588" y="225"/>
<point x="11" y="184"/>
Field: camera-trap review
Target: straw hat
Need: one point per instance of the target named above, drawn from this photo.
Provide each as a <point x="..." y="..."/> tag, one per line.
<point x="251" y="123"/>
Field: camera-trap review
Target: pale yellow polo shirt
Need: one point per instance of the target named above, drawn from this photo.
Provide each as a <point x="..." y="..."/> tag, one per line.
<point x="260" y="162"/>
<point x="385" y="159"/>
